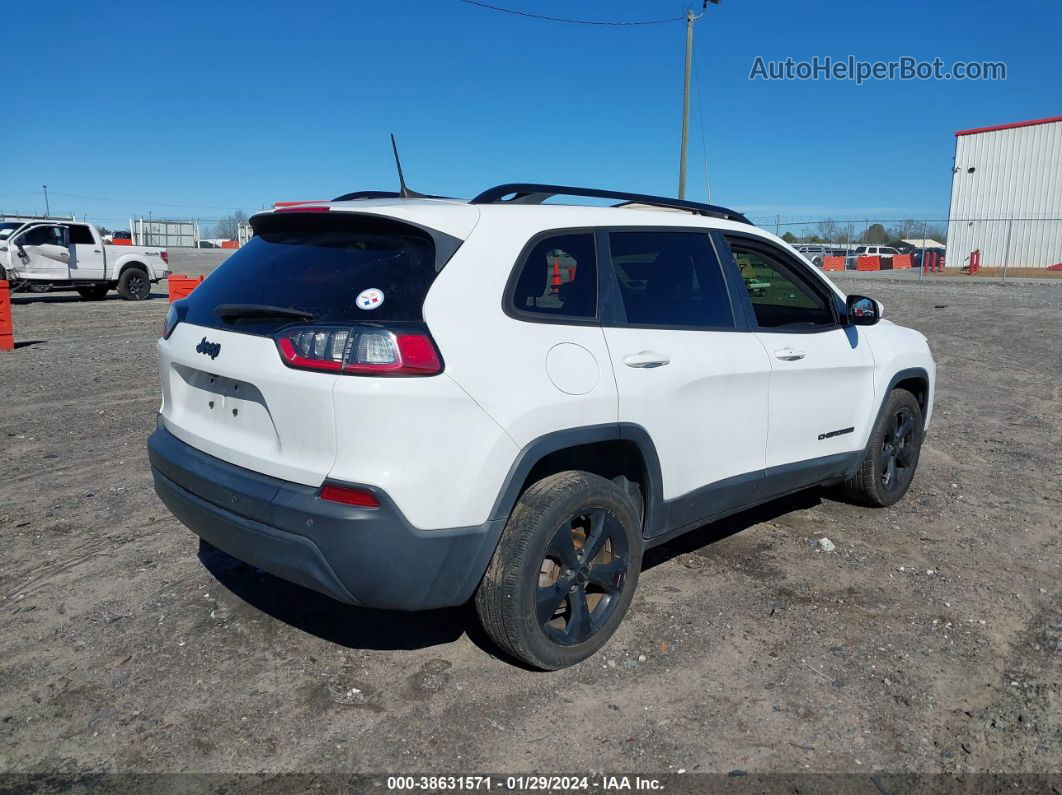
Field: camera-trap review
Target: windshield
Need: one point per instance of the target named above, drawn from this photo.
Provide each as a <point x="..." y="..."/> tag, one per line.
<point x="338" y="268"/>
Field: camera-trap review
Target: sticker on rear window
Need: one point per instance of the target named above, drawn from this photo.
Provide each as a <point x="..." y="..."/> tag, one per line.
<point x="370" y="299"/>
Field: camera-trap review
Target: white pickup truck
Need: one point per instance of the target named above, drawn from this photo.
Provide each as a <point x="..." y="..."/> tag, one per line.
<point x="39" y="256"/>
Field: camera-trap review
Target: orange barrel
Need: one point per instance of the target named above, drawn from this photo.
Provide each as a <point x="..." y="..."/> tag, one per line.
<point x="7" y="326"/>
<point x="181" y="286"/>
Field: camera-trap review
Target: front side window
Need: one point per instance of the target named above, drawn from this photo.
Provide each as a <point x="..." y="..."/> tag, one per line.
<point x="42" y="236"/>
<point x="670" y="279"/>
<point x="780" y="297"/>
<point x="558" y="278"/>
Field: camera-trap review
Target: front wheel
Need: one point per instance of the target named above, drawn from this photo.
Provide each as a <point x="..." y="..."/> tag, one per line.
<point x="134" y="284"/>
<point x="892" y="453"/>
<point x="564" y="572"/>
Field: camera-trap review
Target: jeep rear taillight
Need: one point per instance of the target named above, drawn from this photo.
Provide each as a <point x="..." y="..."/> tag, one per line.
<point x="359" y="350"/>
<point x="173" y="317"/>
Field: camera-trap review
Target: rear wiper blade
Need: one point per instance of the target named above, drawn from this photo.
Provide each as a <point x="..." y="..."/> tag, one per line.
<point x="254" y="311"/>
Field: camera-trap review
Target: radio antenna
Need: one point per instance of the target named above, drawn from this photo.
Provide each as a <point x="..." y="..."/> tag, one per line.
<point x="404" y="192"/>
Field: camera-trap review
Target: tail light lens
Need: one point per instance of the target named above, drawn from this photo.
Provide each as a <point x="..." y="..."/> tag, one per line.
<point x="368" y="350"/>
<point x="173" y="317"/>
<point x="165" y="256"/>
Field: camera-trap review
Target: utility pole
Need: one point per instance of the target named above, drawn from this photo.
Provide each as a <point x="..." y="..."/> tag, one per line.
<point x="686" y="103"/>
<point x="690" y="19"/>
<point x="47" y="209"/>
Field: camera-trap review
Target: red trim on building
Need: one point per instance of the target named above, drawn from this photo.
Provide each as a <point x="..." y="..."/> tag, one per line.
<point x="1010" y="126"/>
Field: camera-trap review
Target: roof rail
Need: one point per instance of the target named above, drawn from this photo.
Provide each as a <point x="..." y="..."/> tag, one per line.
<point x="377" y="194"/>
<point x="532" y="193"/>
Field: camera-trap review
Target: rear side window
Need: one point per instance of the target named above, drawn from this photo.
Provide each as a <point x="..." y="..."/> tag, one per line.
<point x="80" y="235"/>
<point x="670" y="279"/>
<point x="558" y="278"/>
<point x="340" y="267"/>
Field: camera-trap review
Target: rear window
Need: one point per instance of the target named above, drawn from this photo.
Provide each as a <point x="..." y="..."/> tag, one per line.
<point x="340" y="267"/>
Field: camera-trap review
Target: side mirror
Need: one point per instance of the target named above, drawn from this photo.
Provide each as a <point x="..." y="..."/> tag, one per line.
<point x="862" y="311"/>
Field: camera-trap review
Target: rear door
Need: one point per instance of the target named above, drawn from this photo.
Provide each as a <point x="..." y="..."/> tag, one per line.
<point x="822" y="373"/>
<point x="685" y="369"/>
<point x="226" y="389"/>
<point x="86" y="253"/>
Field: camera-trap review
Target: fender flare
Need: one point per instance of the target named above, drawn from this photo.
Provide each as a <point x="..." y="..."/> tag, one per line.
<point x="134" y="263"/>
<point x="902" y="375"/>
<point x="535" y="450"/>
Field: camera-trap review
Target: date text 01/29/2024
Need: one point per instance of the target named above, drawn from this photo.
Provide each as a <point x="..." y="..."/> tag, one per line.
<point x="530" y="783"/>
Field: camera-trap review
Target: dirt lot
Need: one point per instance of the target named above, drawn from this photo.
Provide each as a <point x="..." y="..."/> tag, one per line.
<point x="931" y="640"/>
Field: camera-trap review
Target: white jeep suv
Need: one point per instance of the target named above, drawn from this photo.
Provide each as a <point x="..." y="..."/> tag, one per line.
<point x="408" y="403"/>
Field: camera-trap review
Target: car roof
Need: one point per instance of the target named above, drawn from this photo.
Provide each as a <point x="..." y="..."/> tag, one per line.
<point x="458" y="218"/>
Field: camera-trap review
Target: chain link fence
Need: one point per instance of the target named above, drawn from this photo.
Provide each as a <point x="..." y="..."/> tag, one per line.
<point x="994" y="249"/>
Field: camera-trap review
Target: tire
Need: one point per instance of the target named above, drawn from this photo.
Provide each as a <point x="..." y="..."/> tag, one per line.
<point x="891" y="455"/>
<point x="97" y="293"/>
<point x="134" y="284"/>
<point x="539" y="600"/>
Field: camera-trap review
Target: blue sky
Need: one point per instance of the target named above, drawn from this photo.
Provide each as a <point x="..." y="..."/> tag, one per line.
<point x="195" y="109"/>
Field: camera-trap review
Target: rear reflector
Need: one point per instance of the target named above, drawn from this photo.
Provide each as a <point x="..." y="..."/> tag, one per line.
<point x="360" y="498"/>
<point x="359" y="350"/>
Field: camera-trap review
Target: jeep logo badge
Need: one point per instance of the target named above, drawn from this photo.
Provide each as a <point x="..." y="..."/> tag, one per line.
<point x="211" y="349"/>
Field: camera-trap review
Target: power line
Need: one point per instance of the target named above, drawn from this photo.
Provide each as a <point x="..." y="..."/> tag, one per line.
<point x="145" y="203"/>
<point x="571" y="21"/>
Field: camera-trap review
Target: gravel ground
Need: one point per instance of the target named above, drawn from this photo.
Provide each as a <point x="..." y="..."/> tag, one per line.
<point x="929" y="641"/>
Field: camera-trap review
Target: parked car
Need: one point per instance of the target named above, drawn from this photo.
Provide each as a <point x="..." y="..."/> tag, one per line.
<point x="916" y="256"/>
<point x="814" y="254"/>
<point x="7" y="228"/>
<point x="885" y="252"/>
<point x="411" y="403"/>
<point x="61" y="255"/>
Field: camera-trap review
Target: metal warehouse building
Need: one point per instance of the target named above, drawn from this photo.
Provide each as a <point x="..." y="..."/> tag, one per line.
<point x="1006" y="195"/>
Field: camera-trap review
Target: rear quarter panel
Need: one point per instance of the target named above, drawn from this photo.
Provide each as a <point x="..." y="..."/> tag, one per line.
<point x="500" y="361"/>
<point x="120" y="256"/>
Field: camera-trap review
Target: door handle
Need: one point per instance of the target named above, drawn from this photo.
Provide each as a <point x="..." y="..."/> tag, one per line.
<point x="96" y="251"/>
<point x="646" y="359"/>
<point x="789" y="354"/>
<point x="64" y="255"/>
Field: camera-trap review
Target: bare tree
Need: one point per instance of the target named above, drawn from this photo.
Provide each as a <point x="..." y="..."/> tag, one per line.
<point x="227" y="228"/>
<point x="845" y="232"/>
<point x="828" y="230"/>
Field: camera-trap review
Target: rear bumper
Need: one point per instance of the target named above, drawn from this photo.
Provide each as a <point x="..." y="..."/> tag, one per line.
<point x="368" y="557"/>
